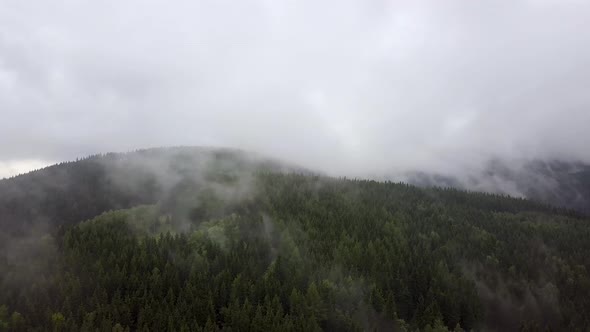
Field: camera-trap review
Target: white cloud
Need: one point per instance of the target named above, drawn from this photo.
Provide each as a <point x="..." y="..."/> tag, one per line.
<point x="352" y="87"/>
<point x="12" y="168"/>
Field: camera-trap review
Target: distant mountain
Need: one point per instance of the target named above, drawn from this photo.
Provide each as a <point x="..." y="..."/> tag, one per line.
<point x="558" y="183"/>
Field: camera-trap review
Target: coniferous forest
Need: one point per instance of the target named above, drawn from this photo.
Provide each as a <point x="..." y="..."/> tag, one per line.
<point x="218" y="241"/>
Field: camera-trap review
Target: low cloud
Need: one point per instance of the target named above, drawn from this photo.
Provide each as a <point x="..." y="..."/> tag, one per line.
<point x="358" y="88"/>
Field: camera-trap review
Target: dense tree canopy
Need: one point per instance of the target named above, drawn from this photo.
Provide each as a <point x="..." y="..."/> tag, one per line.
<point x="198" y="239"/>
<point x="302" y="252"/>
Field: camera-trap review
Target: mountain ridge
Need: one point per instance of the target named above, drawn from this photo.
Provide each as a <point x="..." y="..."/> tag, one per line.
<point x="221" y="240"/>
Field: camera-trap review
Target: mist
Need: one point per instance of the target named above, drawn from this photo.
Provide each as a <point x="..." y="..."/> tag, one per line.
<point x="355" y="88"/>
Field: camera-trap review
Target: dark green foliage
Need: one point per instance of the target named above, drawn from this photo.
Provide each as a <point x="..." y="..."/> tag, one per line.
<point x="308" y="253"/>
<point x="70" y="192"/>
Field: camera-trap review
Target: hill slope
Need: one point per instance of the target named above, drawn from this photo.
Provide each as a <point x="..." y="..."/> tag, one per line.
<point x="243" y="247"/>
<point x="561" y="184"/>
<point x="70" y="192"/>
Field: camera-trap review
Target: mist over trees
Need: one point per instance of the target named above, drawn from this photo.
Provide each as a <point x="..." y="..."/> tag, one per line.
<point x="70" y="192"/>
<point x="554" y="182"/>
<point x="430" y="166"/>
<point x="208" y="240"/>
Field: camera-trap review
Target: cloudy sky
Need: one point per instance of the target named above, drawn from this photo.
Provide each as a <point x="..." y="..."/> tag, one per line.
<point x="349" y="87"/>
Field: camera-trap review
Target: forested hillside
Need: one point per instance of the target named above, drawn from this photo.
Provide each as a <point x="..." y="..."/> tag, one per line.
<point x="70" y="192"/>
<point x="559" y="183"/>
<point x="253" y="248"/>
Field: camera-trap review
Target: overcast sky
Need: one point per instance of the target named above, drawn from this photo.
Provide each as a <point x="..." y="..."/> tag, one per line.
<point x="348" y="87"/>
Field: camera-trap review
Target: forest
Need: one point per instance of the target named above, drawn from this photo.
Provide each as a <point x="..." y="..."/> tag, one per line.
<point x="250" y="246"/>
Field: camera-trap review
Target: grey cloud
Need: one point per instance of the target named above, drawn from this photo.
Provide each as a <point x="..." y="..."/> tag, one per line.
<point x="348" y="87"/>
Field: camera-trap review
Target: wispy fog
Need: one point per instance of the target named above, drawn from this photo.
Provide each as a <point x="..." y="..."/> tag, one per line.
<point x="361" y="88"/>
